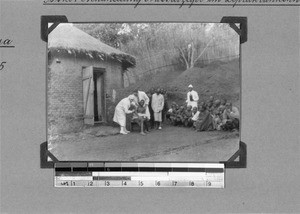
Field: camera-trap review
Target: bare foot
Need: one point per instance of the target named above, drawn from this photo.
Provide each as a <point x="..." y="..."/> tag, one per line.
<point x="143" y="133"/>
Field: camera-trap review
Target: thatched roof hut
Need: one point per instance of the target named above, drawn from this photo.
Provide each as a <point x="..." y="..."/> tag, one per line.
<point x="67" y="38"/>
<point x="84" y="77"/>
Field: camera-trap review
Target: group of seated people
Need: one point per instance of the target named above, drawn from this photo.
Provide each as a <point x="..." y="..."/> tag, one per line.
<point x="213" y="114"/>
<point x="210" y="115"/>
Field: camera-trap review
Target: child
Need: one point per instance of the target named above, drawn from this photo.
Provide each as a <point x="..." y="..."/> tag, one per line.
<point x="215" y="113"/>
<point x="187" y="116"/>
<point x="141" y="118"/>
<point x="173" y="113"/>
<point x="179" y="116"/>
<point x="195" y="116"/>
<point x="210" y="106"/>
<point x="223" y="102"/>
<point x="170" y="111"/>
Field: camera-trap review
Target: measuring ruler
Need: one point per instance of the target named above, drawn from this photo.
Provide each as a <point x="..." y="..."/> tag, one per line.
<point x="112" y="174"/>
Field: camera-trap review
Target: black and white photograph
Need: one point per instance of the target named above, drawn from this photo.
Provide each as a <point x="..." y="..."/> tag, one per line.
<point x="149" y="106"/>
<point x="143" y="92"/>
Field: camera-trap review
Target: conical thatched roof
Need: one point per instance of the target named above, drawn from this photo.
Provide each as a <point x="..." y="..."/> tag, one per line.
<point x="66" y="37"/>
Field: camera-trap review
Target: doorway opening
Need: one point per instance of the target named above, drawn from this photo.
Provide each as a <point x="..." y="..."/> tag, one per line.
<point x="94" y="95"/>
<point x="99" y="96"/>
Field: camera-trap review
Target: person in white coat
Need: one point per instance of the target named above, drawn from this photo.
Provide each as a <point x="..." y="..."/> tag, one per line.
<point x="157" y="105"/>
<point x="140" y="95"/>
<point x="120" y="112"/>
<point x="192" y="97"/>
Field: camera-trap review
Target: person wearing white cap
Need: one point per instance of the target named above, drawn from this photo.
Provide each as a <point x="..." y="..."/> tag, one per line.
<point x="192" y="97"/>
<point x="120" y="112"/>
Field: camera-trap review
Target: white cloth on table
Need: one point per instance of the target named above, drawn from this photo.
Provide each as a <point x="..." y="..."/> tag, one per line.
<point x="121" y="110"/>
<point x="194" y="95"/>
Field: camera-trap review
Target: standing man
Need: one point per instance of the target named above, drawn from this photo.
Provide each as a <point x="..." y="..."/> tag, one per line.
<point x="157" y="106"/>
<point x="192" y="97"/>
<point x="140" y="95"/>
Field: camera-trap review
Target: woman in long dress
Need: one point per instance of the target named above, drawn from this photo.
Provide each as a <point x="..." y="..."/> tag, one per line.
<point x="120" y="112"/>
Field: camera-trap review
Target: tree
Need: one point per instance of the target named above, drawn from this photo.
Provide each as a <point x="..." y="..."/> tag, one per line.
<point x="111" y="33"/>
<point x="158" y="46"/>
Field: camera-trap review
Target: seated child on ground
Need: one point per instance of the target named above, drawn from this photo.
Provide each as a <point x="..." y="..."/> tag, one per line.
<point x="217" y="119"/>
<point x="210" y="106"/>
<point x="215" y="113"/>
<point x="173" y="115"/>
<point x="179" y="116"/>
<point x="187" y="116"/>
<point x="195" y="116"/>
<point x="223" y="103"/>
<point x="171" y="111"/>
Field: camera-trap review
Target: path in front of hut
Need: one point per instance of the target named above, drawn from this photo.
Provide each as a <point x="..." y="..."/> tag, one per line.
<point x="170" y="144"/>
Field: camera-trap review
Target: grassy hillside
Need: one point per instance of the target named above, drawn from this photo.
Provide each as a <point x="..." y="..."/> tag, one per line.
<point x="220" y="79"/>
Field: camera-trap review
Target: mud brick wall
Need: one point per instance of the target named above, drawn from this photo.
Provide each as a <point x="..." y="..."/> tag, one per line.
<point x="65" y="91"/>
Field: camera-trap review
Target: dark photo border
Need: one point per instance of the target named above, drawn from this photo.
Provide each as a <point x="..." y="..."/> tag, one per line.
<point x="237" y="160"/>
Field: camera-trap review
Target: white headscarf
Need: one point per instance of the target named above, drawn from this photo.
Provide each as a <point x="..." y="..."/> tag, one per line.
<point x="131" y="97"/>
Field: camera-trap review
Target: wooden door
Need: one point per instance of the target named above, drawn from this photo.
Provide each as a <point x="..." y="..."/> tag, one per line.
<point x="88" y="95"/>
<point x="101" y="96"/>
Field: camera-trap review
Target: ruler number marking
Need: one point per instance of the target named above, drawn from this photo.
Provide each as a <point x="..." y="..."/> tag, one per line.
<point x="64" y="183"/>
<point x="205" y="180"/>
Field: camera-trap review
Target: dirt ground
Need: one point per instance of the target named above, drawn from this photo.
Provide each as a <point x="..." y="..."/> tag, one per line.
<point x="103" y="143"/>
<point x="169" y="144"/>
